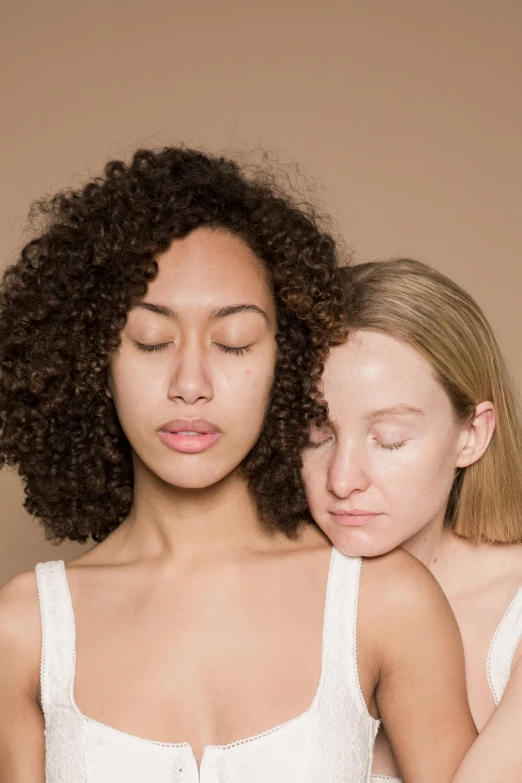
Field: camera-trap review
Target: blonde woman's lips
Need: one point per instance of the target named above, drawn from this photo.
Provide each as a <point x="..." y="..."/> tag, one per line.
<point x="356" y="517"/>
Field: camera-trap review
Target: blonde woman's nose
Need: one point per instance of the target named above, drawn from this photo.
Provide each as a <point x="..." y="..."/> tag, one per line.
<point x="347" y="472"/>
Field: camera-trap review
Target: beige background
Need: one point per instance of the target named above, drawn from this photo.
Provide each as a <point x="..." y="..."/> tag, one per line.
<point x="409" y="112"/>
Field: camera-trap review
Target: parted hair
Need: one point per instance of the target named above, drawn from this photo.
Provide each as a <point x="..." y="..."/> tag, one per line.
<point x="410" y="301"/>
<point x="65" y="301"/>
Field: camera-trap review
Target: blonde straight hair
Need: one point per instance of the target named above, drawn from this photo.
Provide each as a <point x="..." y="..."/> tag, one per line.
<point x="418" y="305"/>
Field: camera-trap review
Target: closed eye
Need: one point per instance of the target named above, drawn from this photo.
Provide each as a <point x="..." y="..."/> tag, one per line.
<point x="149" y="348"/>
<point x="236" y="351"/>
<point x="392" y="446"/>
<point x="312" y="445"/>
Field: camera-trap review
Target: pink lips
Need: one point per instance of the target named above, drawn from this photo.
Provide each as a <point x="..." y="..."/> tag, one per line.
<point x="355" y="517"/>
<point x="189" y="436"/>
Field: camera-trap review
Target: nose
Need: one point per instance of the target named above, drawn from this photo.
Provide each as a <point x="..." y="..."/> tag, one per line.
<point x="190" y="381"/>
<point x="347" y="471"/>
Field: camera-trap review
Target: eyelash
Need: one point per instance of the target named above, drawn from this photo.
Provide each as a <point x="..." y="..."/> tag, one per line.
<point x="392" y="446"/>
<point x="150" y="348"/>
<point x="236" y="351"/>
<point x="225" y="348"/>
<point x="385" y="446"/>
<point x="318" y="445"/>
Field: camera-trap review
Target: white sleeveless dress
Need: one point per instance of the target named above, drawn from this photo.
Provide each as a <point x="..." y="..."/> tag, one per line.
<point x="332" y="741"/>
<point x="502" y="650"/>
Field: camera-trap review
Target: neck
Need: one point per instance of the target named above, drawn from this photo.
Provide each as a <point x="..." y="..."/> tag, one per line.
<point x="167" y="521"/>
<point x="452" y="560"/>
<point x="435" y="546"/>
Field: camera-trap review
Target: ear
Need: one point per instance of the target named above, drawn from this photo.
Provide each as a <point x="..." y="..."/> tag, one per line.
<point x="477" y="435"/>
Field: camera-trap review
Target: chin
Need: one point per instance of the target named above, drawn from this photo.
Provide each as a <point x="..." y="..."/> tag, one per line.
<point x="195" y="482"/>
<point x="357" y="542"/>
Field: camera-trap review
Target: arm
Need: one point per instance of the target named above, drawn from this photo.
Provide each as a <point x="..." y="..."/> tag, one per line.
<point x="22" y="754"/>
<point x="421" y="691"/>
<point x="496" y="756"/>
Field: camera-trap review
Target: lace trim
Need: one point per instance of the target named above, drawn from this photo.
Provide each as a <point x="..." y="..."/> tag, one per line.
<point x="511" y="650"/>
<point x="44" y="622"/>
<point x="354" y="644"/>
<point x="230" y="745"/>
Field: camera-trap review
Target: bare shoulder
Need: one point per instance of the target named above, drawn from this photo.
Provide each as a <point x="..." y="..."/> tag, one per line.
<point x="19" y="607"/>
<point x="405" y="623"/>
<point x="20" y="631"/>
<point x="399" y="579"/>
<point x="401" y="603"/>
<point x="22" y="750"/>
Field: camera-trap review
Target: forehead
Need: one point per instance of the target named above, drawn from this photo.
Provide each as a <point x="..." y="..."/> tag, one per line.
<point x="373" y="370"/>
<point x="209" y="268"/>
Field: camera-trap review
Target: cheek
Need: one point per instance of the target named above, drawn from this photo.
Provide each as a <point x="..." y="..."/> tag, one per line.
<point x="306" y="473"/>
<point x="136" y="394"/>
<point x="255" y="399"/>
<point x="141" y="375"/>
<point x="246" y="387"/>
<point x="314" y="478"/>
<point x="416" y="485"/>
<point x="316" y="498"/>
<point x="311" y="470"/>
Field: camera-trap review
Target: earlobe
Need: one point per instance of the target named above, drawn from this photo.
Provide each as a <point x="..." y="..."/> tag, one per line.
<point x="479" y="433"/>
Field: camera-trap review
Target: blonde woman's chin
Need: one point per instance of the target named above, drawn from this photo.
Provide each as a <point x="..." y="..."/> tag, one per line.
<point x="362" y="540"/>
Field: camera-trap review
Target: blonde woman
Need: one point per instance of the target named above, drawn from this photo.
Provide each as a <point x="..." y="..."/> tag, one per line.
<point x="424" y="451"/>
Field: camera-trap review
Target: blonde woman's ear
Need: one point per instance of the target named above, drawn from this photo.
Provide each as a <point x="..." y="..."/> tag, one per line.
<point x="479" y="433"/>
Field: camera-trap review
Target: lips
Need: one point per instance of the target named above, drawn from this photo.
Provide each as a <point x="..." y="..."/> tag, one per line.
<point x="189" y="436"/>
<point x="355" y="517"/>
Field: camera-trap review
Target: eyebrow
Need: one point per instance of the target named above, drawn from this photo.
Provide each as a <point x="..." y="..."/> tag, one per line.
<point x="222" y="312"/>
<point x="394" y="410"/>
<point x="159" y="309"/>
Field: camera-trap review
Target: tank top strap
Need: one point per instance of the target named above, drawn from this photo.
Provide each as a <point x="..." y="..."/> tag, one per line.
<point x="340" y="627"/>
<point x="380" y="778"/>
<point x="503" y="647"/>
<point x="58" y="634"/>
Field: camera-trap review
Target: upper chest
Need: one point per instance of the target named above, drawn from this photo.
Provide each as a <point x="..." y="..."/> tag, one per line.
<point x="206" y="659"/>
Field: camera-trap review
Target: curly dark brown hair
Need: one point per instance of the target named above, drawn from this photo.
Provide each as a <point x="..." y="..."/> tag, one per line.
<point x="66" y="300"/>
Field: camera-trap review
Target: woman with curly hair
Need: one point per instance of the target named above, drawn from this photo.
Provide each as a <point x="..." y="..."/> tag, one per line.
<point x="161" y="344"/>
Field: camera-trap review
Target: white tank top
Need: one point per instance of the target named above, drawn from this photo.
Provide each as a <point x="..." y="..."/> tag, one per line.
<point x="502" y="650"/>
<point x="331" y="741"/>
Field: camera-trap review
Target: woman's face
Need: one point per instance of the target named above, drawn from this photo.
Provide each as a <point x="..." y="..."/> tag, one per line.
<point x="382" y="471"/>
<point x="193" y="374"/>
